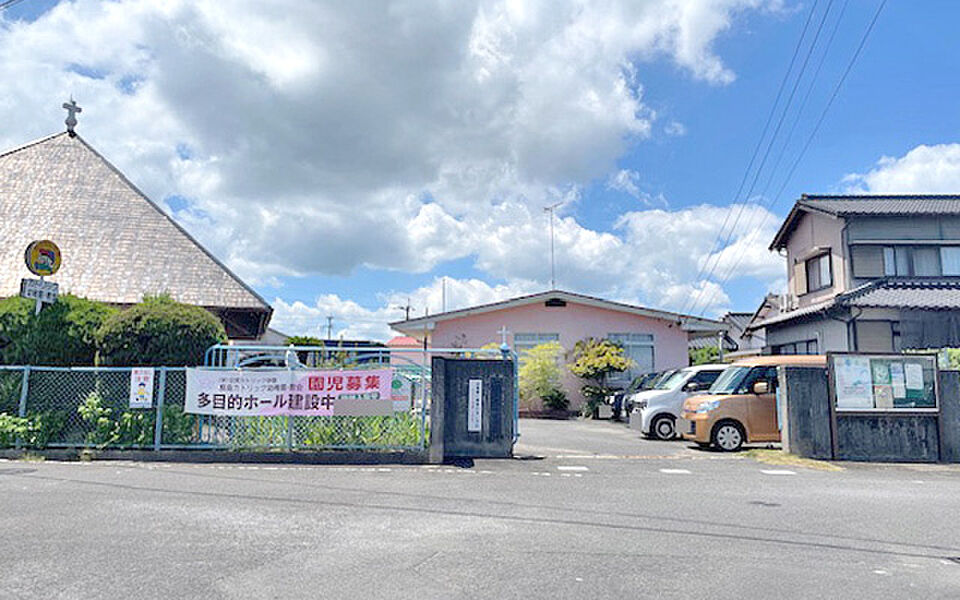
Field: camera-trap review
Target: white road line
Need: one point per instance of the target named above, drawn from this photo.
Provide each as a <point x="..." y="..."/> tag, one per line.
<point x="777" y="472"/>
<point x="572" y="468"/>
<point x="675" y="471"/>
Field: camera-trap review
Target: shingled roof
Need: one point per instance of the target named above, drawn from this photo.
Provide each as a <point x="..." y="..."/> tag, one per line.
<point x="117" y="245"/>
<point x="866" y="206"/>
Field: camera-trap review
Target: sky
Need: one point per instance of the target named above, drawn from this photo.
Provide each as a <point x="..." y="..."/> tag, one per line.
<point x="347" y="159"/>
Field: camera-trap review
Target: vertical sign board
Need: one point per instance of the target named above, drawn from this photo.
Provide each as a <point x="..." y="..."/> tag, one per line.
<point x="475" y="405"/>
<point x="141" y="388"/>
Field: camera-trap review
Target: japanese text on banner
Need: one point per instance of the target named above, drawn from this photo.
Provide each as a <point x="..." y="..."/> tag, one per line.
<point x="295" y="393"/>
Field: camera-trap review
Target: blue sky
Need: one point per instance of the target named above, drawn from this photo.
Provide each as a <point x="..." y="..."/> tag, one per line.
<point x="350" y="158"/>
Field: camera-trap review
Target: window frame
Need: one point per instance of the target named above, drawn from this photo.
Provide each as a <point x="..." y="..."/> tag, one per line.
<point x="819" y="271"/>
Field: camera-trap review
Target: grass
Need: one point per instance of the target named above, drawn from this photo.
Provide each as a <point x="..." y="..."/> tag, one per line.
<point x="779" y="457"/>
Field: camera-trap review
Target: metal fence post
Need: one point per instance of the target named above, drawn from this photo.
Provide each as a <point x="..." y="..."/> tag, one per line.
<point x="158" y="427"/>
<point x="22" y="410"/>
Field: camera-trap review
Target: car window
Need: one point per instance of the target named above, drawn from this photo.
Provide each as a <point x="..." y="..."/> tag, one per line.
<point x="706" y="378"/>
<point x="673" y="381"/>
<point x="768" y="374"/>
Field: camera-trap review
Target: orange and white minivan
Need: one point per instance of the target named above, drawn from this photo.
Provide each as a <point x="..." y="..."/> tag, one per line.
<point x="741" y="405"/>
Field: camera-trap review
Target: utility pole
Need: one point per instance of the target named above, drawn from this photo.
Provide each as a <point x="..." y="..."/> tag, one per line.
<point x="553" y="270"/>
<point x="329" y="327"/>
<point x="443" y="295"/>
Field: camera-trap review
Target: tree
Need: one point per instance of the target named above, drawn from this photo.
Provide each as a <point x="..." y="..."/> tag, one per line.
<point x="703" y="356"/>
<point x="63" y="334"/>
<point x="159" y="331"/>
<point x="540" y="377"/>
<point x="593" y="360"/>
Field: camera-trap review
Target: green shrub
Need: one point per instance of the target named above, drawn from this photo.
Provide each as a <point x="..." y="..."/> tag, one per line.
<point x="63" y="334"/>
<point x="12" y="428"/>
<point x="159" y="331"/>
<point x="556" y="400"/>
<point x="594" y="360"/>
<point x="539" y="375"/>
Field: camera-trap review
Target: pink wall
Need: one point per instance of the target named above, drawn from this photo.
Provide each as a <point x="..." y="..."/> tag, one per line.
<point x="573" y="323"/>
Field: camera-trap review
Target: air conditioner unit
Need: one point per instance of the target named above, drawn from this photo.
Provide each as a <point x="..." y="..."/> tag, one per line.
<point x="788" y="302"/>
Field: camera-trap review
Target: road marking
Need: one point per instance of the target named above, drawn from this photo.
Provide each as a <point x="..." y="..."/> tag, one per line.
<point x="675" y="471"/>
<point x="777" y="472"/>
<point x="572" y="468"/>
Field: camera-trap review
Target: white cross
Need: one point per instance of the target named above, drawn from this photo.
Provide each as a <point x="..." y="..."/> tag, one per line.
<point x="72" y="110"/>
<point x="504" y="332"/>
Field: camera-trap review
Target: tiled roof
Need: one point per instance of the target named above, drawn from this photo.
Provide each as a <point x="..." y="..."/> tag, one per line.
<point x="933" y="293"/>
<point x="930" y="294"/>
<point x="116" y="244"/>
<point x="850" y="206"/>
<point x="883" y="205"/>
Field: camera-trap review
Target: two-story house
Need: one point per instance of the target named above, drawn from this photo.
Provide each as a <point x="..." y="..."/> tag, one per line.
<point x="868" y="274"/>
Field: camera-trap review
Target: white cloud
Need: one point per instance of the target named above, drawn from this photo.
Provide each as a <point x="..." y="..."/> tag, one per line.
<point x="313" y="138"/>
<point x="323" y="136"/>
<point x="675" y="128"/>
<point x="922" y="170"/>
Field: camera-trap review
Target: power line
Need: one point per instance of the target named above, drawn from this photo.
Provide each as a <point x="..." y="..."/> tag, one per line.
<point x="9" y="4"/>
<point x="756" y="150"/>
<point x="823" y="114"/>
<point x="762" y="203"/>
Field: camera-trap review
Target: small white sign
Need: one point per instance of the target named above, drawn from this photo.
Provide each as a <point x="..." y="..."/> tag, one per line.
<point x="914" y="376"/>
<point x="141" y="388"/>
<point x="475" y="405"/>
<point x="38" y="289"/>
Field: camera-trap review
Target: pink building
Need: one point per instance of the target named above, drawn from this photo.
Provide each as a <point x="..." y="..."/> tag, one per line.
<point x="654" y="339"/>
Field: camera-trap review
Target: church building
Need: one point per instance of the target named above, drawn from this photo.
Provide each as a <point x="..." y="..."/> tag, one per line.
<point x="117" y="245"/>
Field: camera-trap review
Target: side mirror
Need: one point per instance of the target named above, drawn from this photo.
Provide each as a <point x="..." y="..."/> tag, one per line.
<point x="691" y="386"/>
<point x="761" y="387"/>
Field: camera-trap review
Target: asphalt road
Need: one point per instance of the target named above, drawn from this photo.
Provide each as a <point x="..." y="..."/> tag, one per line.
<point x="589" y="511"/>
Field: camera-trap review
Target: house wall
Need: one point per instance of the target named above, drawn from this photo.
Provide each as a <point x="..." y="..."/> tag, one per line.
<point x="816" y="231"/>
<point x="831" y="334"/>
<point x="573" y="323"/>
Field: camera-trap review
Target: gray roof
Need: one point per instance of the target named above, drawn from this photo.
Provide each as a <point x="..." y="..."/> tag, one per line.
<point x="117" y="245"/>
<point x="902" y="293"/>
<point x="865" y="206"/>
<point x="941" y="293"/>
<point x="883" y="205"/>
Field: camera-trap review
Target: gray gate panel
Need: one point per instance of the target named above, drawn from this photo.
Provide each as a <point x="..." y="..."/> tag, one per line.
<point x="895" y="438"/>
<point x="950" y="416"/>
<point x="452" y="376"/>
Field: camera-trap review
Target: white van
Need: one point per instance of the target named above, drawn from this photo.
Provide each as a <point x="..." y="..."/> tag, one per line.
<point x="655" y="412"/>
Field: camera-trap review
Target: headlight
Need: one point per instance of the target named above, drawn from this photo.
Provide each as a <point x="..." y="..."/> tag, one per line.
<point x="706" y="407"/>
<point x="640" y="404"/>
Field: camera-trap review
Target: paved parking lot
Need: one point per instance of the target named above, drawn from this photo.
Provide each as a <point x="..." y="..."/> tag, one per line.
<point x="589" y="511"/>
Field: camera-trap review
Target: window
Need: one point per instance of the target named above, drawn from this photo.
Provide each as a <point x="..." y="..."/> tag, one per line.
<point x="917" y="261"/>
<point x="867" y="261"/>
<point x="804" y="347"/>
<point x="526" y="341"/>
<point x="819" y="275"/>
<point x="638" y="347"/>
<point x="950" y="260"/>
<point x="705" y="378"/>
<point x="926" y="261"/>
<point x="768" y="374"/>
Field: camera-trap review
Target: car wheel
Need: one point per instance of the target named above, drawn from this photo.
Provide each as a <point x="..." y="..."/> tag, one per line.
<point x="663" y="428"/>
<point x="728" y="436"/>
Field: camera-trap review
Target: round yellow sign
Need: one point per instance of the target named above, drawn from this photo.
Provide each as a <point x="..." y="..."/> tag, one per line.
<point x="42" y="258"/>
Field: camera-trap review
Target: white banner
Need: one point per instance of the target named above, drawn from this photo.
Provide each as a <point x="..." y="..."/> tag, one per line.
<point x="475" y="405"/>
<point x="298" y="393"/>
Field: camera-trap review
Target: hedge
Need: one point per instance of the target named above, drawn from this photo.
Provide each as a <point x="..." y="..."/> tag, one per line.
<point x="63" y="334"/>
<point x="159" y="331"/>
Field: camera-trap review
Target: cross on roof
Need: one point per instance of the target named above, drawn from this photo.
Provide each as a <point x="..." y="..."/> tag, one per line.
<point x="72" y="110"/>
<point x="504" y="332"/>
